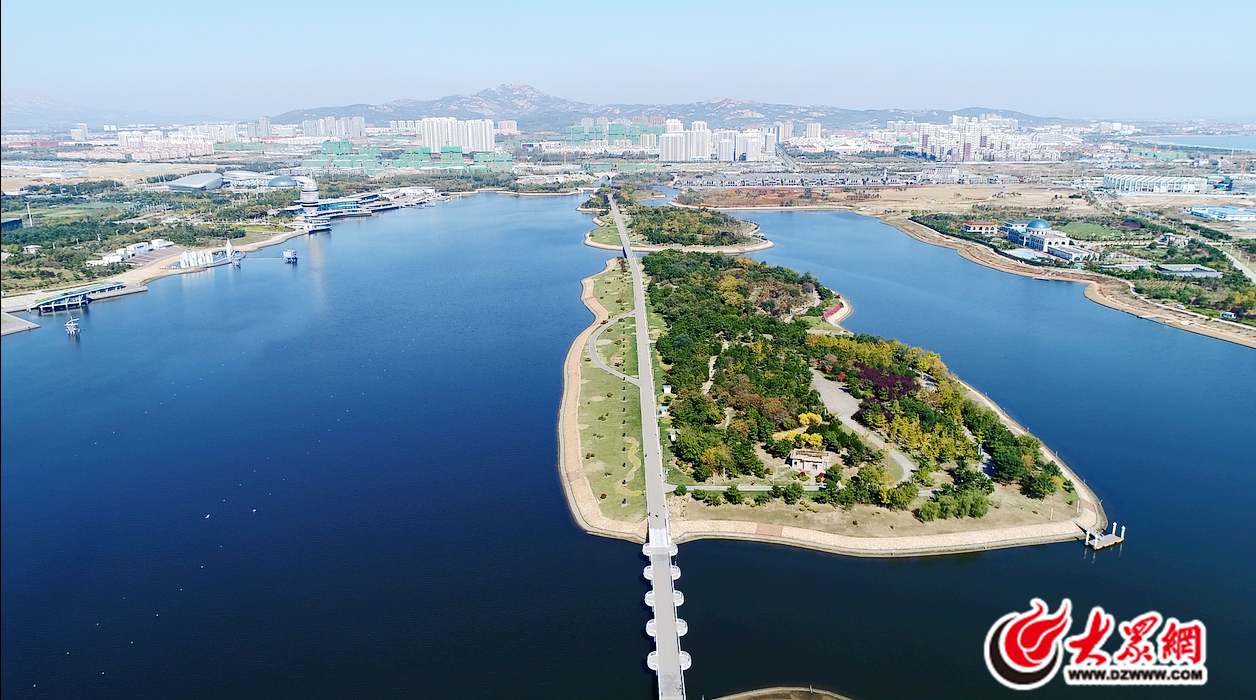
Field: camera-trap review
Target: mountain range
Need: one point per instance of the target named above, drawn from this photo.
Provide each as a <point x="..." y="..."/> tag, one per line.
<point x="533" y="109"/>
<point x="22" y="112"/>
<point x="539" y="111"/>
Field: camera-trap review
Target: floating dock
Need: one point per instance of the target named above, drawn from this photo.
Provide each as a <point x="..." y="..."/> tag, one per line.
<point x="1099" y="540"/>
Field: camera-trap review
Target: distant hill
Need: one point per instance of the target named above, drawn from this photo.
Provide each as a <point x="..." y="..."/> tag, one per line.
<point x="533" y="109"/>
<point x="22" y="112"/>
<point x="538" y="111"/>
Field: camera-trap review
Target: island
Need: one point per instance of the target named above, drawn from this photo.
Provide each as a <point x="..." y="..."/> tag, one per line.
<point x="780" y="426"/>
<point x="662" y="227"/>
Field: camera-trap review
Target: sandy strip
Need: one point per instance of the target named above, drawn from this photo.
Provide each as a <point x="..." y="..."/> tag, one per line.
<point x="580" y="498"/>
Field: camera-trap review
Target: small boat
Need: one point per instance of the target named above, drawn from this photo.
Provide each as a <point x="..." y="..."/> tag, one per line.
<point x="72" y="326"/>
<point x="290" y="256"/>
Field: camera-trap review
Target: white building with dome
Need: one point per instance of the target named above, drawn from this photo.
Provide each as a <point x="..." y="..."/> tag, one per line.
<point x="1038" y="235"/>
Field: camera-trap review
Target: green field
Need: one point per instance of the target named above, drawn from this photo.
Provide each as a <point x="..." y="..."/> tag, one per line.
<point x="609" y="405"/>
<point x="1095" y="232"/>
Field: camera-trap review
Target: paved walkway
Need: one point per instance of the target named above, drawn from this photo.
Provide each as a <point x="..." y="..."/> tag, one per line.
<point x="844" y="406"/>
<point x="597" y="359"/>
<point x="667" y="659"/>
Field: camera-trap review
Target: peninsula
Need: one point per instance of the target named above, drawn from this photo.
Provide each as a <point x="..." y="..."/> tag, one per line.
<point x="780" y="426"/>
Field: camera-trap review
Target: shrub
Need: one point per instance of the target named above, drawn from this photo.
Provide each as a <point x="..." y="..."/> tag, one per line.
<point x="792" y="492"/>
<point x="682" y="490"/>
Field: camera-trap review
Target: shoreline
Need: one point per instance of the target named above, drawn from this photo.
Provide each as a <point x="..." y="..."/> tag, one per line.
<point x="587" y="513"/>
<point x="581" y="502"/>
<point x="1102" y="290"/>
<point x="1105" y="291"/>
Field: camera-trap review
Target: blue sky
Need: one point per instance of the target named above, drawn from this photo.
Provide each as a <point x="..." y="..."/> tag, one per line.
<point x="1115" y="60"/>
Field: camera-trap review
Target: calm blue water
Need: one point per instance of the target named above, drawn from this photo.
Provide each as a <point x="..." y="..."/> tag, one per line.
<point x="1243" y="143"/>
<point x="372" y="434"/>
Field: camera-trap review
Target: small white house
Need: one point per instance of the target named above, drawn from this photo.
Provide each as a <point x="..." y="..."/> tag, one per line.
<point x="31" y="249"/>
<point x="159" y="243"/>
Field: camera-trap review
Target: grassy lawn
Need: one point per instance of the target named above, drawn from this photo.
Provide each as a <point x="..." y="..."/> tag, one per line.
<point x="606" y="235"/>
<point x="1095" y="232"/>
<point x="610" y="442"/>
<point x="609" y="405"/>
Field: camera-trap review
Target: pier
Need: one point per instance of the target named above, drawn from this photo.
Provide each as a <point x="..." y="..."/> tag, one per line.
<point x="1099" y="540"/>
<point x="75" y="298"/>
<point x="667" y="660"/>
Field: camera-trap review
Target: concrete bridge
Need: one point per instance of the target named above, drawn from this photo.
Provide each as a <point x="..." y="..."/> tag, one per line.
<point x="667" y="660"/>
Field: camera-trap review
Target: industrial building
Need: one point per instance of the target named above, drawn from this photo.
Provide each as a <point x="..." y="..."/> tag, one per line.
<point x="1161" y="184"/>
<point x="1226" y="213"/>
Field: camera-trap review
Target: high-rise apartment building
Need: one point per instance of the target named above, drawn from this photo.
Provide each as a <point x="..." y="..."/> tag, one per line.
<point x="673" y="125"/>
<point x="263" y="126"/>
<point x="474" y="135"/>
<point x="698" y="143"/>
<point x="813" y="130"/>
<point x="672" y="147"/>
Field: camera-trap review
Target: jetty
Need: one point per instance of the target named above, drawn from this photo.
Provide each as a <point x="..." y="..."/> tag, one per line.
<point x="74" y="298"/>
<point x="667" y="660"/>
<point x="1096" y="539"/>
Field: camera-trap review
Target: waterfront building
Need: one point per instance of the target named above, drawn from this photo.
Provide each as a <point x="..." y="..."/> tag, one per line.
<point x="981" y="228"/>
<point x="1072" y="253"/>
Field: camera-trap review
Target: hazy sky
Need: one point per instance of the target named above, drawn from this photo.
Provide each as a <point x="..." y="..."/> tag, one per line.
<point x="240" y="59"/>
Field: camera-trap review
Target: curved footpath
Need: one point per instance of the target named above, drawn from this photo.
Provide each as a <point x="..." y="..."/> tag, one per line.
<point x="585" y="508"/>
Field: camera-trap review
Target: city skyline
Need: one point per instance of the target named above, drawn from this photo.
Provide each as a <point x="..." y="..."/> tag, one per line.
<point x="1070" y="60"/>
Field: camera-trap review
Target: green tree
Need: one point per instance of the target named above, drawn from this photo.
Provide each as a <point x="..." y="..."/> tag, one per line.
<point x="792" y="492"/>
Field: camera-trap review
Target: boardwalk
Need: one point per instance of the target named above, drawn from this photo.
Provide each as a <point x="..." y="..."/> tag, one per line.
<point x="667" y="660"/>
